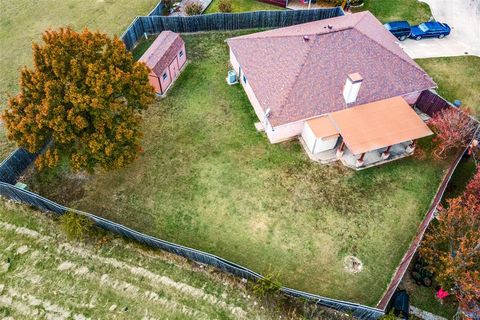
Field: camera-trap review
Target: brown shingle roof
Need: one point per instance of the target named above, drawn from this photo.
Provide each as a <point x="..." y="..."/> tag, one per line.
<point x="300" y="78"/>
<point x="378" y="125"/>
<point x="162" y="51"/>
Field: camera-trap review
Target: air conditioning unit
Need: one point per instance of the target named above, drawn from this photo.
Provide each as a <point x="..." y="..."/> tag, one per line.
<point x="232" y="77"/>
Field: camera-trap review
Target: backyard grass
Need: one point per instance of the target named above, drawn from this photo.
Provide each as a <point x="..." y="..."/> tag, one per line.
<point x="243" y="6"/>
<point x="208" y="180"/>
<point x="44" y="276"/>
<point x="413" y="11"/>
<point x="457" y="78"/>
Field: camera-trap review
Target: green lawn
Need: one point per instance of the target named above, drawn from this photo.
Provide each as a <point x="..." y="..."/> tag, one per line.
<point x="413" y="11"/>
<point x="208" y="180"/>
<point x="44" y="276"/>
<point x="457" y="78"/>
<point x="23" y="21"/>
<point x="243" y="5"/>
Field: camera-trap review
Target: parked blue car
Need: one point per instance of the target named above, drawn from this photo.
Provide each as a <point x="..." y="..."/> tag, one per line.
<point x="400" y="29"/>
<point x="431" y="29"/>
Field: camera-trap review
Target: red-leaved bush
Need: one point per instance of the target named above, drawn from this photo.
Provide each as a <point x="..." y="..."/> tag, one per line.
<point x="453" y="129"/>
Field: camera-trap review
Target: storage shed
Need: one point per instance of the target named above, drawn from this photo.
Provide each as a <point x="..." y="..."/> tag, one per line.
<point x="165" y="59"/>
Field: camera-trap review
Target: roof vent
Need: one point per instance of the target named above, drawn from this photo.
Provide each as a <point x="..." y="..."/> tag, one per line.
<point x="306" y="38"/>
<point x="330" y="27"/>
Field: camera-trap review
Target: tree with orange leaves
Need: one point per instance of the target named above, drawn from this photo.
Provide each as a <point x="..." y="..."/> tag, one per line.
<point x="452" y="247"/>
<point x="82" y="100"/>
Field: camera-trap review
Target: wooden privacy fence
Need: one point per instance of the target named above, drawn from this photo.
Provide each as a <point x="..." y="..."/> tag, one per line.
<point x="407" y="258"/>
<point x="155" y="24"/>
<point x="430" y="103"/>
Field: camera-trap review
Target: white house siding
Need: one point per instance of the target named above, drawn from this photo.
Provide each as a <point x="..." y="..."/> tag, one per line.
<point x="314" y="144"/>
<point x="324" y="144"/>
<point x="285" y="132"/>
<point x="308" y="137"/>
<point x="248" y="90"/>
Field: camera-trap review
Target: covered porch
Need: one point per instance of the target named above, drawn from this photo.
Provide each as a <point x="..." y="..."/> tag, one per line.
<point x="365" y="136"/>
<point x="369" y="159"/>
<point x="376" y="157"/>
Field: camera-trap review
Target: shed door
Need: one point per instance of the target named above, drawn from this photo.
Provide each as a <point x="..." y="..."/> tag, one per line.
<point x="174" y="70"/>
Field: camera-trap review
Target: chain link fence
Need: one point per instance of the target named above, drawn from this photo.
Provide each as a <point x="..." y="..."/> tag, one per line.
<point x="9" y="191"/>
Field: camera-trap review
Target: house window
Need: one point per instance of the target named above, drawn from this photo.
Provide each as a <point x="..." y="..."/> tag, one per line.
<point x="180" y="54"/>
<point x="164" y="76"/>
<point x="244" y="79"/>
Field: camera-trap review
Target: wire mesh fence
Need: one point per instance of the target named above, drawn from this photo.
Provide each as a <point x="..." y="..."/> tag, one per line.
<point x="155" y="24"/>
<point x="15" y="164"/>
<point x="37" y="201"/>
<point x="23" y="159"/>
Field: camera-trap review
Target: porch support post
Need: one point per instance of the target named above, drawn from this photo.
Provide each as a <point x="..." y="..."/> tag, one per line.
<point x="309" y="3"/>
<point x="386" y="153"/>
<point x="360" y="161"/>
<point x="411" y="147"/>
<point x="340" y="150"/>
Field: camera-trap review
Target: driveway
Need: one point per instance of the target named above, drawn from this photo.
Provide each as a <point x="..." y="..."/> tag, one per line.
<point x="463" y="16"/>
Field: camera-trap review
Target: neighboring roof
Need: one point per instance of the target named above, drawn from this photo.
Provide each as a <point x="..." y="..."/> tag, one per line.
<point x="322" y="127"/>
<point x="299" y="71"/>
<point x="162" y="51"/>
<point x="378" y="125"/>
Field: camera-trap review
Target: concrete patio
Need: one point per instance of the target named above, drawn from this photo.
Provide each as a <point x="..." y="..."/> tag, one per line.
<point x="374" y="158"/>
<point x="371" y="159"/>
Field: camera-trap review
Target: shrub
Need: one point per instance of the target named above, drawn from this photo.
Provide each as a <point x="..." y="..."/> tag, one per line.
<point x="75" y="226"/>
<point x="453" y="129"/>
<point x="168" y="5"/>
<point x="225" y="6"/>
<point x="267" y="285"/>
<point x="193" y="8"/>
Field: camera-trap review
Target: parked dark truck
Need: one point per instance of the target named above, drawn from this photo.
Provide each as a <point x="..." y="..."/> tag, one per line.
<point x="400" y="29"/>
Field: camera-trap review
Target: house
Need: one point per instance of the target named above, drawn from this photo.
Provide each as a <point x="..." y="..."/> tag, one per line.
<point x="165" y="59"/>
<point x="330" y="82"/>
